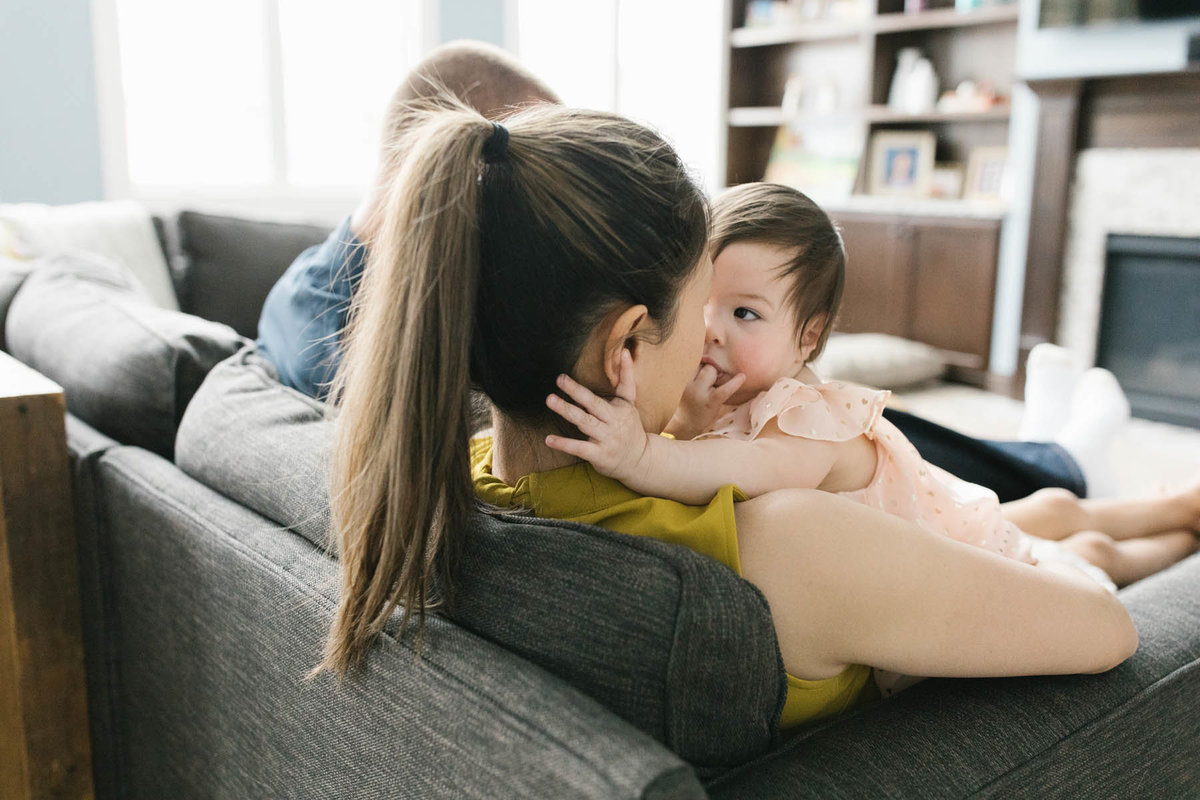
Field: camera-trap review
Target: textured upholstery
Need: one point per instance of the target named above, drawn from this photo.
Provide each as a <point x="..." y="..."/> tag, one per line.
<point x="128" y="368"/>
<point x="231" y="264"/>
<point x="222" y="614"/>
<point x="673" y="642"/>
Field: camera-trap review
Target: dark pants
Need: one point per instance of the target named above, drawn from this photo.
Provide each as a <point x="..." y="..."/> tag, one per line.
<point x="1010" y="469"/>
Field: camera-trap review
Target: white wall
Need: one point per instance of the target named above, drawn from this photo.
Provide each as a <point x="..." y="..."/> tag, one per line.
<point x="472" y="19"/>
<point x="49" y="134"/>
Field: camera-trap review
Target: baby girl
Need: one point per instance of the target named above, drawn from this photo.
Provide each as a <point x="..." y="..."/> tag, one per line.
<point x="758" y="417"/>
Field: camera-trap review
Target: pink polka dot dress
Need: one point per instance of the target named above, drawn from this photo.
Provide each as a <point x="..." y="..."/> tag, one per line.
<point x="904" y="484"/>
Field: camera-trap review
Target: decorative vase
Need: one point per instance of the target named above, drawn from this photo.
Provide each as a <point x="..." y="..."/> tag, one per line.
<point x="921" y="88"/>
<point x="906" y="59"/>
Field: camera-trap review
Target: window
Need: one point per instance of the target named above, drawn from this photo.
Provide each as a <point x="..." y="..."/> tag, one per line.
<point x="655" y="61"/>
<point x="197" y="100"/>
<point x="339" y="70"/>
<point x="573" y="47"/>
<point x="268" y="97"/>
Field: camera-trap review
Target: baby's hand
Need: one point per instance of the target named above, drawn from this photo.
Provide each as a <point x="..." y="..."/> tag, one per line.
<point x="617" y="443"/>
<point x="702" y="403"/>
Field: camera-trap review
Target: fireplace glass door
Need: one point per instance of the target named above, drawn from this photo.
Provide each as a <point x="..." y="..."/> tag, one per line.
<point x="1150" y="325"/>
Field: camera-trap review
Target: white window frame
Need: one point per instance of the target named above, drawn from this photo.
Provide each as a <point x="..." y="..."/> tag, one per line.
<point x="273" y="200"/>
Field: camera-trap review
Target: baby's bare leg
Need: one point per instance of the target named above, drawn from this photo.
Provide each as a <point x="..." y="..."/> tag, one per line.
<point x="1132" y="559"/>
<point x="1056" y="514"/>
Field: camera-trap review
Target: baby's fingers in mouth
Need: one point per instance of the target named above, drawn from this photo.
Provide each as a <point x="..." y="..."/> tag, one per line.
<point x="710" y="374"/>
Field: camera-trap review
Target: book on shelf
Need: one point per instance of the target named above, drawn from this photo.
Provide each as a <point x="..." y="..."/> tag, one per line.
<point x="818" y="157"/>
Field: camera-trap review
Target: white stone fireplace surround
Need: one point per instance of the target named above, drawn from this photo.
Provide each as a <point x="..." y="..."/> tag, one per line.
<point x="1152" y="192"/>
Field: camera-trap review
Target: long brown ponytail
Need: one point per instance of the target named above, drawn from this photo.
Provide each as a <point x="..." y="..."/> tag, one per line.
<point x="486" y="272"/>
<point x="399" y="483"/>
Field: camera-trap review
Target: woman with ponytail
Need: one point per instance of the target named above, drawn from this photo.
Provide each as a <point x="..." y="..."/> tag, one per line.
<point x="563" y="241"/>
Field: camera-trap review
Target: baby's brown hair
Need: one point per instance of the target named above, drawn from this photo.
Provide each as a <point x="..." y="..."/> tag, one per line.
<point x="772" y="214"/>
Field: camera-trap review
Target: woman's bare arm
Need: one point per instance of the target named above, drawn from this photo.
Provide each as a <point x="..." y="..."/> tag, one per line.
<point x="851" y="585"/>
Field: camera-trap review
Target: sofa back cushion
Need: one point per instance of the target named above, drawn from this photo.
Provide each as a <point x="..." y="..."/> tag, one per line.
<point x="674" y="642"/>
<point x="128" y="367"/>
<point x="230" y="264"/>
<point x="219" y="614"/>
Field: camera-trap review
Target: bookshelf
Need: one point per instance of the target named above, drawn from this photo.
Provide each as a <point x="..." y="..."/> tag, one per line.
<point x="857" y="57"/>
<point x="910" y="257"/>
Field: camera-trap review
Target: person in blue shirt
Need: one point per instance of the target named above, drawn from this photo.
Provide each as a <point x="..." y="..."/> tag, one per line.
<point x="306" y="310"/>
<point x="303" y="316"/>
<point x="302" y="319"/>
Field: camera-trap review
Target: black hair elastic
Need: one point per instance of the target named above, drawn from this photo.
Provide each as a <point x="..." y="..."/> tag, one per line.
<point x="496" y="147"/>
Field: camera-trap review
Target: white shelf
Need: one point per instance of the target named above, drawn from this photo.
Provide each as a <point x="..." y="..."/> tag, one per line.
<point x="946" y="18"/>
<point x="885" y="114"/>
<point x="774" y="116"/>
<point x="802" y="32"/>
<point x="819" y="30"/>
<point x="913" y="206"/>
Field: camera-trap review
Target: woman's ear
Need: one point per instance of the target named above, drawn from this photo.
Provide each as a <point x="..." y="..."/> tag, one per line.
<point x="624" y="333"/>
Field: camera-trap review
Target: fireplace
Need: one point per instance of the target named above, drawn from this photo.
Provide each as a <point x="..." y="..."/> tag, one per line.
<point x="1130" y="293"/>
<point x="1115" y="156"/>
<point x="1149" y="326"/>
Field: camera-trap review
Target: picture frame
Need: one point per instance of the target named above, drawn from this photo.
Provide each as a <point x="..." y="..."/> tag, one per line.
<point x="987" y="175"/>
<point x="901" y="163"/>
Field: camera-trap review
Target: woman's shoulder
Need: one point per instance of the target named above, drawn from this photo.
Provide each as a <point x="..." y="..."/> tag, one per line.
<point x="578" y="493"/>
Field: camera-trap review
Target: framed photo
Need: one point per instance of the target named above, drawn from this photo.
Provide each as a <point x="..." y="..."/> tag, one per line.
<point x="901" y="163"/>
<point x="946" y="183"/>
<point x="987" y="174"/>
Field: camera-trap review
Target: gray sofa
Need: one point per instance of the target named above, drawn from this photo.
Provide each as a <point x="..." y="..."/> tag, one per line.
<point x="574" y="662"/>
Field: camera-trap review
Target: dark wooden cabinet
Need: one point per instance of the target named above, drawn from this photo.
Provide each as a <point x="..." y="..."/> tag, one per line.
<point x="929" y="279"/>
<point x="876" y="297"/>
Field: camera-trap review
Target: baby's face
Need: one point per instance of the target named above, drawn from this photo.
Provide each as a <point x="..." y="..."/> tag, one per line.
<point x="750" y="328"/>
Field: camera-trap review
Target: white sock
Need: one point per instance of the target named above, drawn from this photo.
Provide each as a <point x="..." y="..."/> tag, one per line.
<point x="1099" y="409"/>
<point x="1050" y="375"/>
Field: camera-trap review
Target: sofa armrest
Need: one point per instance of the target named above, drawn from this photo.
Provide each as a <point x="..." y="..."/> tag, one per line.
<point x="1133" y="731"/>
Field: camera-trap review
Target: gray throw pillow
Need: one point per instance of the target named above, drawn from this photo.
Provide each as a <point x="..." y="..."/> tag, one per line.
<point x="128" y="367"/>
<point x="672" y="641"/>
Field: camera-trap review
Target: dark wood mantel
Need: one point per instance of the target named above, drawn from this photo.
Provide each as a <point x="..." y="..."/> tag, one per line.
<point x="1161" y="110"/>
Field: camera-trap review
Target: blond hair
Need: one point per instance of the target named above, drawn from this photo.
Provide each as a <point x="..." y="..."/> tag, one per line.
<point x="492" y="265"/>
<point x="480" y="75"/>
